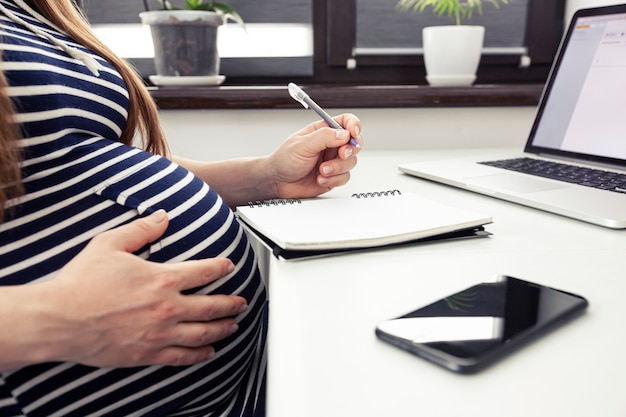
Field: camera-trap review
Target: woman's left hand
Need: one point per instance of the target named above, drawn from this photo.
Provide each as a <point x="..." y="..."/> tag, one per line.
<point x="315" y="159"/>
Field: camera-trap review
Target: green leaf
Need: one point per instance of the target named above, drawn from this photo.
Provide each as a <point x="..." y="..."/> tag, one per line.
<point x="458" y="10"/>
<point x="192" y="4"/>
<point x="228" y="12"/>
<point x="224" y="9"/>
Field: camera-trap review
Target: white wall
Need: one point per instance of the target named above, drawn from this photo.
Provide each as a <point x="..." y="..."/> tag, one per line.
<point x="220" y="134"/>
<point x="573" y="5"/>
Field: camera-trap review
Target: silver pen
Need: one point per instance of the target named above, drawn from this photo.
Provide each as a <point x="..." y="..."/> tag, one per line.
<point x="300" y="96"/>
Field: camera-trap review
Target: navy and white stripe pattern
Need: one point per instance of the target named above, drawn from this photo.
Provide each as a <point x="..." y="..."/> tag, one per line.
<point x="79" y="182"/>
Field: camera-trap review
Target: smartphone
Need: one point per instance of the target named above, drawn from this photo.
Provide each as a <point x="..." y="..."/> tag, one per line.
<point x="467" y="331"/>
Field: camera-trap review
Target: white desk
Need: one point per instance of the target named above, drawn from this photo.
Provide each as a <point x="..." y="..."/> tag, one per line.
<point x="325" y="360"/>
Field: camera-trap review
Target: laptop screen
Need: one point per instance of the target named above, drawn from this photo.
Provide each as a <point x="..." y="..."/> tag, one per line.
<point x="583" y="109"/>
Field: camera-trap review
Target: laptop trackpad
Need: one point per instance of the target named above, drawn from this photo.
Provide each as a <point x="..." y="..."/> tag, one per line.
<point x="514" y="183"/>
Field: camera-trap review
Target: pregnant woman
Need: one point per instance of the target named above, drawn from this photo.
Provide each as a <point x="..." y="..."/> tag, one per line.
<point x="127" y="287"/>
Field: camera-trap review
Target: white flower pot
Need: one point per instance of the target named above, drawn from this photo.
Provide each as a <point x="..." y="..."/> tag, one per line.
<point x="452" y="54"/>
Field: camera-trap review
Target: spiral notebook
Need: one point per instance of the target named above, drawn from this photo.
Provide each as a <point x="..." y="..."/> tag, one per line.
<point x="325" y="225"/>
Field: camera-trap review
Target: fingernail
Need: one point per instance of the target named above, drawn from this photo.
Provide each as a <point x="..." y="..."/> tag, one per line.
<point x="357" y="130"/>
<point x="327" y="170"/>
<point x="210" y="354"/>
<point x="158" y="216"/>
<point x="341" y="134"/>
<point x="233" y="328"/>
<point x="348" y="152"/>
<point x="243" y="308"/>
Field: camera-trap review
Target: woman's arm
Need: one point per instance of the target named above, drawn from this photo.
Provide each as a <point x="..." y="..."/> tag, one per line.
<point x="110" y="308"/>
<point x="310" y="162"/>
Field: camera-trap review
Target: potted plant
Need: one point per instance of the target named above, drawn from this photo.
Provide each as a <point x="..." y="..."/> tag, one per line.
<point x="185" y="41"/>
<point x="451" y="53"/>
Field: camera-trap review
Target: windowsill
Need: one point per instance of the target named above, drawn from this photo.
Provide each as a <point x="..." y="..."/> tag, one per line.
<point x="270" y="97"/>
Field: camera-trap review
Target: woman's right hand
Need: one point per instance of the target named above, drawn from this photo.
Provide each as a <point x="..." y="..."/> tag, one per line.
<point x="110" y="308"/>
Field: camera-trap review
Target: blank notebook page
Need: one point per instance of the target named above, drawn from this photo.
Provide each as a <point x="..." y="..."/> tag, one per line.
<point x="351" y="222"/>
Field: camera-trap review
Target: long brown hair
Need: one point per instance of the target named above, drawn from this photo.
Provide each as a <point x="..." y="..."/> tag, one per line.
<point x="10" y="178"/>
<point x="142" y="123"/>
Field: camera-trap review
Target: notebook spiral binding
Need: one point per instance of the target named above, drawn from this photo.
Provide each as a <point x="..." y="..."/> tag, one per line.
<point x="377" y="194"/>
<point x="274" y="202"/>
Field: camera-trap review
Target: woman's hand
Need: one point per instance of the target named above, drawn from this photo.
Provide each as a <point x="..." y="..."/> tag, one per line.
<point x="310" y="162"/>
<point x="316" y="159"/>
<point x="110" y="308"/>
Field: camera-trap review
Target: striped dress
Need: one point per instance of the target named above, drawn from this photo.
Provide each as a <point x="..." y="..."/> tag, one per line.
<point x="81" y="181"/>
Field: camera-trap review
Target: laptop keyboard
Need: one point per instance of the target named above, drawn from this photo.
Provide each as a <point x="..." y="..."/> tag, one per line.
<point x="596" y="178"/>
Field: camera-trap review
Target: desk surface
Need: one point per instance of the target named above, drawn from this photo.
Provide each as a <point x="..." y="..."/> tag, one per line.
<point x="325" y="360"/>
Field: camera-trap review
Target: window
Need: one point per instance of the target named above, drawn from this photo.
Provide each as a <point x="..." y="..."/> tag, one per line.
<point x="357" y="34"/>
<point x="381" y="29"/>
<point x="278" y="40"/>
<point x="343" y="41"/>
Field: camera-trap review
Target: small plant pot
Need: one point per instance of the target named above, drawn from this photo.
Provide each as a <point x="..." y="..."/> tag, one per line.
<point x="185" y="42"/>
<point x="452" y="54"/>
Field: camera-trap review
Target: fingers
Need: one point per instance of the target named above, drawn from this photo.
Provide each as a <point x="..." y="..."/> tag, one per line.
<point x="346" y="149"/>
<point x="136" y="234"/>
<point x="334" y="171"/>
<point x="201" y="308"/>
<point x="348" y="121"/>
<point x="179" y="356"/>
<point x="202" y="319"/>
<point x="197" y="334"/>
<point x="352" y="129"/>
<point x="352" y="124"/>
<point x="196" y="273"/>
<point x="210" y="319"/>
<point x="144" y="313"/>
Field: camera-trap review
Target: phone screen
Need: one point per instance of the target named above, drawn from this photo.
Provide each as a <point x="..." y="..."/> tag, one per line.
<point x="468" y="330"/>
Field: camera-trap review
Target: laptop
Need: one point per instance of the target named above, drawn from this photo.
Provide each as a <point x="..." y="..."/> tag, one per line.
<point x="574" y="162"/>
